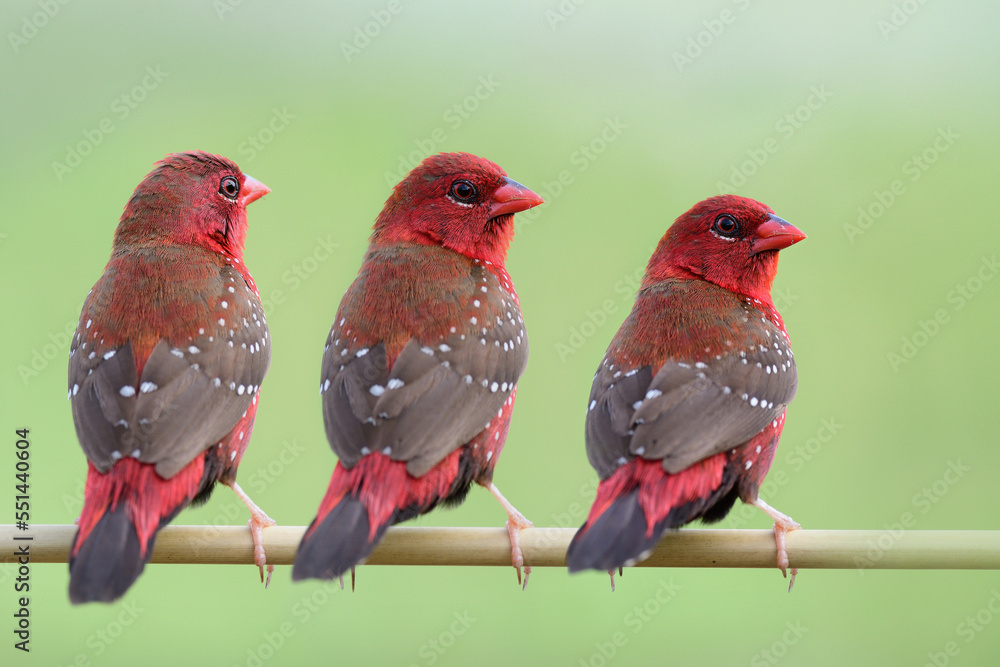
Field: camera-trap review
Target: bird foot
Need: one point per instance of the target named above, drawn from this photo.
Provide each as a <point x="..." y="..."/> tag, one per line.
<point x="516" y="522"/>
<point x="258" y="521"/>
<point x="783" y="524"/>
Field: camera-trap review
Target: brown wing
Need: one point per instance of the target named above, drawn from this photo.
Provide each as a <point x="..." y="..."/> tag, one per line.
<point x="438" y="394"/>
<point x="193" y="389"/>
<point x="689" y="410"/>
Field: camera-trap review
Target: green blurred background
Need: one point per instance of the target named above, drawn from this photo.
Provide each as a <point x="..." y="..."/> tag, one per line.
<point x="640" y="109"/>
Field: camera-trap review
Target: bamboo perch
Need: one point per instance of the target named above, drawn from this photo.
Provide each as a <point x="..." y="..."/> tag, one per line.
<point x="406" y="545"/>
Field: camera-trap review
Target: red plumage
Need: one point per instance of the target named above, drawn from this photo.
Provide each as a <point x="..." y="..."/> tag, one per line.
<point x="421" y="365"/>
<point x="165" y="367"/>
<point x="689" y="401"/>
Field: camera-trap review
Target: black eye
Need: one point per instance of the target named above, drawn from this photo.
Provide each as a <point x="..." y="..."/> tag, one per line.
<point x="229" y="187"/>
<point x="463" y="191"/>
<point x="726" y="225"/>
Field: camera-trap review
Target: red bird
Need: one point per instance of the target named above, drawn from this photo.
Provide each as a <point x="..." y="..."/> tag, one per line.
<point x="688" y="404"/>
<point x="165" y="368"/>
<point x="421" y="366"/>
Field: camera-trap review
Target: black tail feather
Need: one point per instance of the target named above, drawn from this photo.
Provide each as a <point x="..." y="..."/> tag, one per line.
<point x="720" y="509"/>
<point x="338" y="543"/>
<point x="618" y="538"/>
<point x="109" y="561"/>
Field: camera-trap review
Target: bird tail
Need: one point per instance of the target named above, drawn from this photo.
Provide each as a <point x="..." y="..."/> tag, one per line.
<point x="123" y="509"/>
<point x="361" y="503"/>
<point x="639" y="503"/>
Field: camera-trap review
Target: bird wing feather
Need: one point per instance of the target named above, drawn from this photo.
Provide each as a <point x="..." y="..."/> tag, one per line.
<point x="191" y="393"/>
<point x="436" y="397"/>
<point x="681" y="410"/>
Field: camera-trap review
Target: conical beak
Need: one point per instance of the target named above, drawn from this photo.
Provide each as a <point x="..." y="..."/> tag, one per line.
<point x="252" y="190"/>
<point x="776" y="234"/>
<point x="512" y="197"/>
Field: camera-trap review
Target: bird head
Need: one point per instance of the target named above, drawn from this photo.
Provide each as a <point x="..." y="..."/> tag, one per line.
<point x="191" y="198"/>
<point x="728" y="240"/>
<point x="458" y="201"/>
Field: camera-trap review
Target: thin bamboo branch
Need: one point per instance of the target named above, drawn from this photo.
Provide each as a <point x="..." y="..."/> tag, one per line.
<point x="405" y="545"/>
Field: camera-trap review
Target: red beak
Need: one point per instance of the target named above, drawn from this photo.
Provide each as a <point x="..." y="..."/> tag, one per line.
<point x="252" y="190"/>
<point x="776" y="234"/>
<point x="512" y="197"/>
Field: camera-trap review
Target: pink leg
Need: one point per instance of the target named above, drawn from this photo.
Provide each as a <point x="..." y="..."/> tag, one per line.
<point x="516" y="522"/>
<point x="258" y="521"/>
<point x="783" y="525"/>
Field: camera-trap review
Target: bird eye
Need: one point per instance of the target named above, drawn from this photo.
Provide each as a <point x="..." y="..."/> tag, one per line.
<point x="725" y="225"/>
<point x="229" y="187"/>
<point x="463" y="191"/>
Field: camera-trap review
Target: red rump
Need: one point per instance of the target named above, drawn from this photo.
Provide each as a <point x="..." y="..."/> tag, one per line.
<point x="383" y="486"/>
<point x="148" y="497"/>
<point x="659" y="492"/>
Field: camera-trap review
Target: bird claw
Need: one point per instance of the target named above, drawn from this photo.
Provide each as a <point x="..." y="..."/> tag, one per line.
<point x="341" y="578"/>
<point x="611" y="573"/>
<point x="527" y="573"/>
<point x="516" y="522"/>
<point x="270" y="570"/>
<point x="783" y="524"/>
<point x="516" y="555"/>
<point x="258" y="521"/>
<point x="259" y="557"/>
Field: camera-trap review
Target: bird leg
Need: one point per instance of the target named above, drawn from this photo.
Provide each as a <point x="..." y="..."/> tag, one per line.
<point x="516" y="522"/>
<point x="258" y="521"/>
<point x="783" y="525"/>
